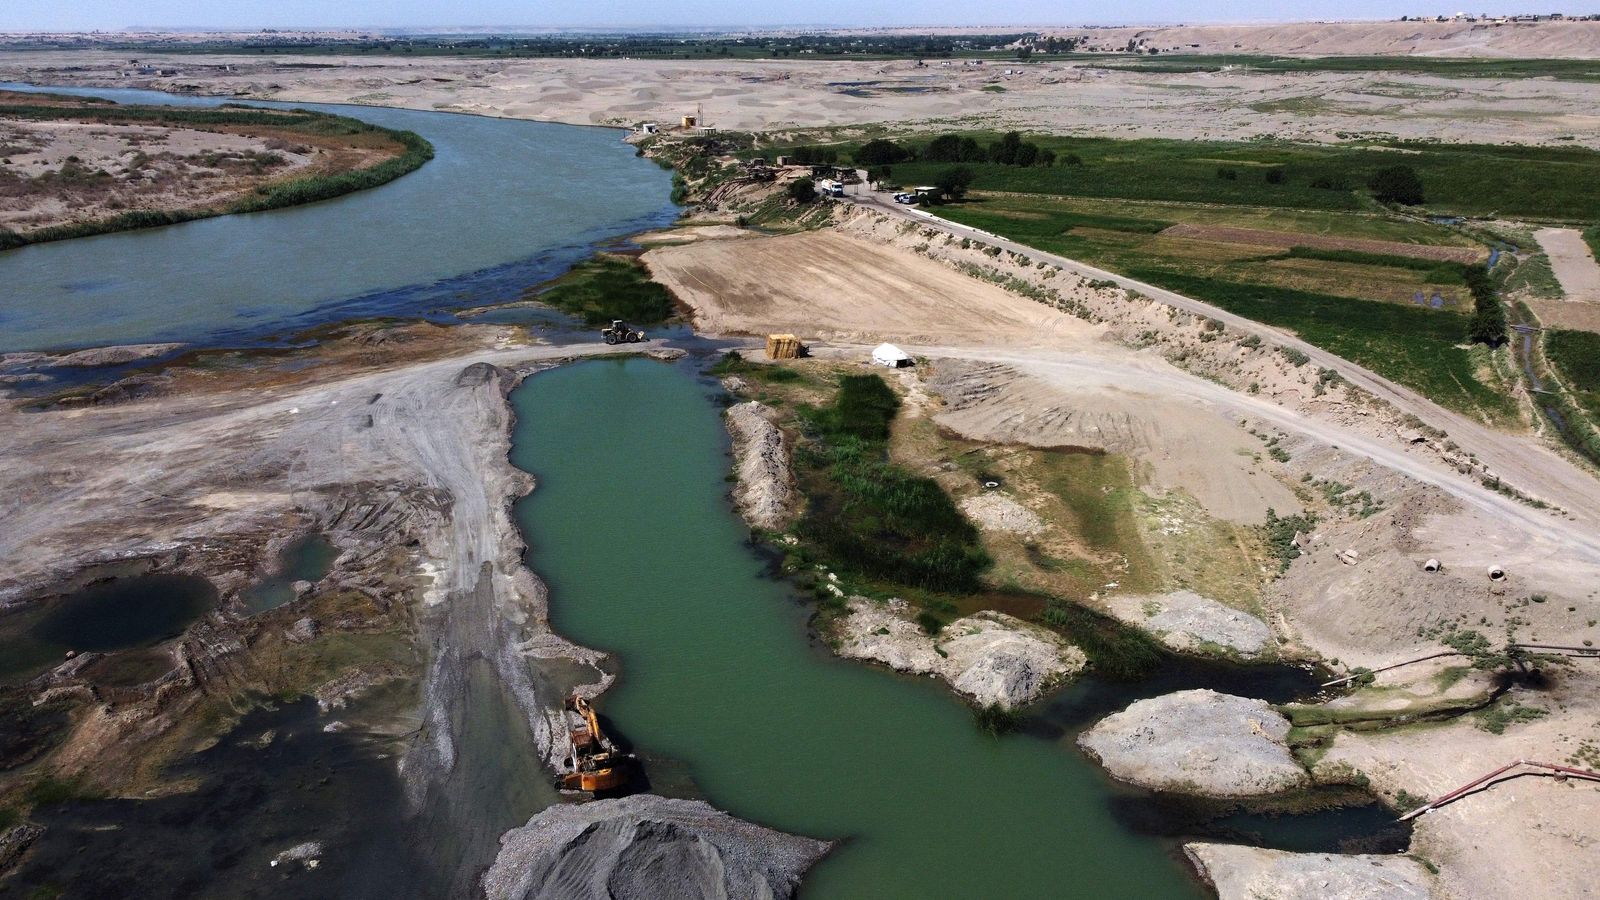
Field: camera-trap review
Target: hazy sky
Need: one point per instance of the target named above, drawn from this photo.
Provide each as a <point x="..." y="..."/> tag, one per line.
<point x="16" y="15"/>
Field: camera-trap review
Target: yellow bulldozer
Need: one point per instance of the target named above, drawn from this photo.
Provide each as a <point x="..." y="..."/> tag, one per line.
<point x="597" y="765"/>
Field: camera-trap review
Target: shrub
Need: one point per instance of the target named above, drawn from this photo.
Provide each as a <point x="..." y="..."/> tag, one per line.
<point x="1274" y="176"/>
<point x="1397" y="184"/>
<point x="997" y="720"/>
<point x="802" y="191"/>
<point x="605" y="287"/>
<point x="1227" y="174"/>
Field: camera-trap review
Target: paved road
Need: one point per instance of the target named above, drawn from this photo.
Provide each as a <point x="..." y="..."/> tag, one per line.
<point x="1518" y="459"/>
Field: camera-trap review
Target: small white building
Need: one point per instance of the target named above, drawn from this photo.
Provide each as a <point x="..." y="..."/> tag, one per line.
<point x="891" y="356"/>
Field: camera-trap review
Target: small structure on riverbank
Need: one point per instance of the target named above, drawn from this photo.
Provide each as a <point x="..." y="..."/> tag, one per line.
<point x="891" y="356"/>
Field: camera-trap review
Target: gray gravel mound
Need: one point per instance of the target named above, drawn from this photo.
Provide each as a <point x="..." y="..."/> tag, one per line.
<point x="1198" y="742"/>
<point x="649" y="848"/>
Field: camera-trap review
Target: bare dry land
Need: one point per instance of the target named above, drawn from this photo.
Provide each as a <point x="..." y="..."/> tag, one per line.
<point x="1076" y="95"/>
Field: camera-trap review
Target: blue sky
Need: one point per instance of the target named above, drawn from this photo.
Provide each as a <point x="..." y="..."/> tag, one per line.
<point x="110" y="14"/>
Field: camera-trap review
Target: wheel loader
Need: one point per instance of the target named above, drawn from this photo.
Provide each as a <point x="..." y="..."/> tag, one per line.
<point x="620" y="333"/>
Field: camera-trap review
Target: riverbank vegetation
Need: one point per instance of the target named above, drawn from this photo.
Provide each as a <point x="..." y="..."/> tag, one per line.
<point x="871" y="517"/>
<point x="148" y="166"/>
<point x="884" y="518"/>
<point x="610" y="286"/>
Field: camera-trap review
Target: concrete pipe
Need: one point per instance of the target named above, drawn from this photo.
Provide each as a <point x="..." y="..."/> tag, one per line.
<point x="1431" y="565"/>
<point x="1497" y="574"/>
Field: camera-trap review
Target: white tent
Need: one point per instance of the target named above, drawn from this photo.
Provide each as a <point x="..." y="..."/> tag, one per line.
<point x="891" y="356"/>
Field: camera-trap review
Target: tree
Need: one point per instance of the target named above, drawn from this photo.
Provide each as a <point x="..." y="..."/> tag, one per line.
<point x="1024" y="52"/>
<point x="1047" y="158"/>
<point x="954" y="181"/>
<point x="1005" y="150"/>
<point x="802" y="190"/>
<point x="1397" y="184"/>
<point x="1274" y="176"/>
<point x="944" y="148"/>
<point x="1072" y="159"/>
<point x="1027" y="155"/>
<point x="880" y="152"/>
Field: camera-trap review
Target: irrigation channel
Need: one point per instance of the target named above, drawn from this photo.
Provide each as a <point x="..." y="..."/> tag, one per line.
<point x="631" y="528"/>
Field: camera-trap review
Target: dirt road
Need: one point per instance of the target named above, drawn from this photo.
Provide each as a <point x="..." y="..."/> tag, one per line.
<point x="1574" y="264"/>
<point x="1517" y="460"/>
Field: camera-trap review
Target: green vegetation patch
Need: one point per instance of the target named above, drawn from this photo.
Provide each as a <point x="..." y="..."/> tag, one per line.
<point x="871" y="517"/>
<point x="606" y="287"/>
<point x="1576" y="356"/>
<point x="1115" y="650"/>
<point x="732" y="363"/>
<point x="1417" y="347"/>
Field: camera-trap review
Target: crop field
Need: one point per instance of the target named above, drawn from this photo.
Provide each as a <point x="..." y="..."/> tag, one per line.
<point x="1576" y="356"/>
<point x="1536" y="183"/>
<point x="1357" y="304"/>
<point x="1299" y="253"/>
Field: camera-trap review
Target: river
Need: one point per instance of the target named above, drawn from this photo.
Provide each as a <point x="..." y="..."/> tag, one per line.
<point x="504" y="204"/>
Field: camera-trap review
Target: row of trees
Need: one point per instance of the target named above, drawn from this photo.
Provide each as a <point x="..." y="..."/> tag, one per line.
<point x="1488" y="324"/>
<point x="1010" y="150"/>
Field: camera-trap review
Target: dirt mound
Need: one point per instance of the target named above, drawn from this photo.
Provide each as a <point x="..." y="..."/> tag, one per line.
<point x="1184" y="620"/>
<point x="1245" y="873"/>
<point x="1187" y="446"/>
<point x="991" y="657"/>
<point x="765" y="495"/>
<point x="1198" y="742"/>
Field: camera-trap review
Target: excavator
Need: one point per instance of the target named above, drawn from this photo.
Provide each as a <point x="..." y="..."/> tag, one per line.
<point x="597" y="765"/>
<point x="621" y="333"/>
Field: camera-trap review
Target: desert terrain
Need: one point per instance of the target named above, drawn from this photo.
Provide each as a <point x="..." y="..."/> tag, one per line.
<point x="1070" y="95"/>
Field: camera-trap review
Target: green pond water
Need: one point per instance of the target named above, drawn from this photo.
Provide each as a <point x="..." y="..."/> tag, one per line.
<point x="106" y="615"/>
<point x="631" y="528"/>
<point x="306" y="559"/>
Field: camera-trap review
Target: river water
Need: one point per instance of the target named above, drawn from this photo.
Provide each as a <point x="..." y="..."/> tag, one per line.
<point x="503" y="205"/>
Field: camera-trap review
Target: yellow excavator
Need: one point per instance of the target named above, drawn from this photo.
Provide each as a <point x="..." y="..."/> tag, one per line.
<point x="597" y="765"/>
